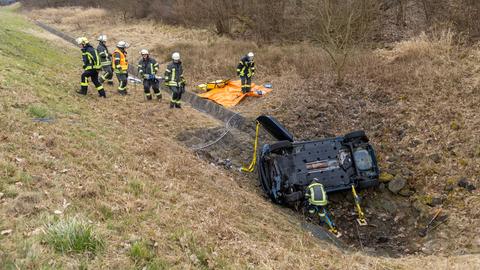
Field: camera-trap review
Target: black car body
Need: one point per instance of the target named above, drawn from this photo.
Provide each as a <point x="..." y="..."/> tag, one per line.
<point x="287" y="167"/>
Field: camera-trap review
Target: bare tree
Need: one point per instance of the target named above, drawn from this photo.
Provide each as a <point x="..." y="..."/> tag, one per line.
<point x="339" y="26"/>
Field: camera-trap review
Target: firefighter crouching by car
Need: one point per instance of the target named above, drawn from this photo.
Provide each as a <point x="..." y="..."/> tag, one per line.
<point x="175" y="81"/>
<point x="91" y="66"/>
<point x="120" y="66"/>
<point x="246" y="71"/>
<point x="317" y="205"/>
<point x="105" y="60"/>
<point x="147" y="68"/>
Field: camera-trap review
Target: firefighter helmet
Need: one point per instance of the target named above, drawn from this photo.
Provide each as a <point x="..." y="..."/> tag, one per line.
<point x="144" y="51"/>
<point x="176" y="56"/>
<point x="250" y="55"/>
<point x="102" y="38"/>
<point x="82" y="40"/>
<point x="122" y="45"/>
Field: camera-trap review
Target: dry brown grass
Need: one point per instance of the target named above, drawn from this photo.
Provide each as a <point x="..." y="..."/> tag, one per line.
<point x="95" y="155"/>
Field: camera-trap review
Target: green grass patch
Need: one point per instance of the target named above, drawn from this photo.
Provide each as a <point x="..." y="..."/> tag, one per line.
<point x="136" y="187"/>
<point x="73" y="235"/>
<point x="38" y="111"/>
<point x="143" y="255"/>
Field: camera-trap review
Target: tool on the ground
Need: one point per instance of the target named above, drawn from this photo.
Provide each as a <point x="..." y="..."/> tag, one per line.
<point x="424" y="231"/>
<point x="442" y="220"/>
<point x="251" y="167"/>
<point x="331" y="225"/>
<point x="361" y="216"/>
<point x="213" y="84"/>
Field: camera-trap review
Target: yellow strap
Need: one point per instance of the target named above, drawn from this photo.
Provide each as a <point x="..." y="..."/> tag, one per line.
<point x="251" y="167"/>
<point x="361" y="215"/>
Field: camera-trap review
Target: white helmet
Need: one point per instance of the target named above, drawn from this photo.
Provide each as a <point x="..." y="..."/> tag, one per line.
<point x="176" y="56"/>
<point x="82" y="40"/>
<point x="144" y="51"/>
<point x="102" y="38"/>
<point x="250" y="55"/>
<point x="122" y="44"/>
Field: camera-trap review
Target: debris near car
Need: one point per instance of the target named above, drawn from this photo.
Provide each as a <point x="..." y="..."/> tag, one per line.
<point x="287" y="168"/>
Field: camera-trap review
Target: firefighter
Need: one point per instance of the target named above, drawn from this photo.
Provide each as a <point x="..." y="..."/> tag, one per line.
<point x="105" y="60"/>
<point x="91" y="67"/>
<point x="317" y="205"/>
<point x="175" y="81"/>
<point x="147" y="68"/>
<point x="120" y="66"/>
<point x="246" y="71"/>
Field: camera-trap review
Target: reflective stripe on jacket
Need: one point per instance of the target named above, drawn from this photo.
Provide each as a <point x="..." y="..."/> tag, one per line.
<point x="246" y="67"/>
<point x="120" y="62"/>
<point x="90" y="58"/>
<point x="105" y="56"/>
<point x="174" y="74"/>
<point x="149" y="66"/>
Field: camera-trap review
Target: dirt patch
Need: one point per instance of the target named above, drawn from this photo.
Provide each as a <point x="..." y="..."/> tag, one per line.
<point x="26" y="204"/>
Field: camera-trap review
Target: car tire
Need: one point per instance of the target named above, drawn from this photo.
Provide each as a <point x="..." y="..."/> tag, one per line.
<point x="356" y="135"/>
<point x="279" y="146"/>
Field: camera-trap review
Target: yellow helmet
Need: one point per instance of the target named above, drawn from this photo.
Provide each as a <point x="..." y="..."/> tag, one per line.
<point x="82" y="40"/>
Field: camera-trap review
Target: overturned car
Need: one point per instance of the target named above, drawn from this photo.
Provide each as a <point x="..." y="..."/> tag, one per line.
<point x="287" y="167"/>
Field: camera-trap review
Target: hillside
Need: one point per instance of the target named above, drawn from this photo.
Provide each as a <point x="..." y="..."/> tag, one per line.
<point x="117" y="165"/>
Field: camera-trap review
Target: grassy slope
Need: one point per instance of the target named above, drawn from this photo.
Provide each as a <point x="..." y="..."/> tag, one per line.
<point x="116" y="162"/>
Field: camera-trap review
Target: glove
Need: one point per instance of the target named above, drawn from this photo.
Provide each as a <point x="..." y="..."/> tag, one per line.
<point x="145" y="76"/>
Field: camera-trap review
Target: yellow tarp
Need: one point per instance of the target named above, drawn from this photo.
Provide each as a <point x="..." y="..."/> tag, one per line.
<point x="231" y="94"/>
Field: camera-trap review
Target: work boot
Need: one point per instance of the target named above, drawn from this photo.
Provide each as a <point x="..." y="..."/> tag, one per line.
<point x="102" y="93"/>
<point x="82" y="92"/>
<point x="172" y="105"/>
<point x="178" y="105"/>
<point x="110" y="82"/>
<point x="149" y="97"/>
<point x="123" y="93"/>
<point x="159" y="97"/>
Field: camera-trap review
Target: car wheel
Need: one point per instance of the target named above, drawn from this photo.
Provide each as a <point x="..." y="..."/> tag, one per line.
<point x="264" y="171"/>
<point x="356" y="135"/>
<point x="279" y="146"/>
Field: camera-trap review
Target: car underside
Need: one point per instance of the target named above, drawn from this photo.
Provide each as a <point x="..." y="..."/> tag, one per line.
<point x="287" y="167"/>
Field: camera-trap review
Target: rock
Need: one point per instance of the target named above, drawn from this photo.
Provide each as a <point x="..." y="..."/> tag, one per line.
<point x="389" y="206"/>
<point x="435" y="158"/>
<point x="463" y="182"/>
<point x="421" y="208"/>
<point x="435" y="201"/>
<point x="6" y="232"/>
<point x="385" y="177"/>
<point x="406" y="192"/>
<point x="397" y="184"/>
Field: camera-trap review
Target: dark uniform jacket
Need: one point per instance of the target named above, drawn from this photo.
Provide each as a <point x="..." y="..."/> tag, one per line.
<point x="105" y="56"/>
<point x="90" y="57"/>
<point x="174" y="74"/>
<point x="148" y="66"/>
<point x="246" y="67"/>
